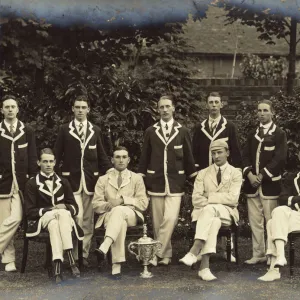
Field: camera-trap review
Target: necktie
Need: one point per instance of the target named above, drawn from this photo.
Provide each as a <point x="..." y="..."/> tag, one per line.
<point x="81" y="132"/>
<point x="167" y="134"/>
<point x="11" y="130"/>
<point x="261" y="132"/>
<point x="213" y="126"/>
<point x="219" y="176"/>
<point x="44" y="178"/>
<point x="119" y="180"/>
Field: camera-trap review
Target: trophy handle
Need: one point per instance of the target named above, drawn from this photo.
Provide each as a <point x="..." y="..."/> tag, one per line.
<point x="131" y="247"/>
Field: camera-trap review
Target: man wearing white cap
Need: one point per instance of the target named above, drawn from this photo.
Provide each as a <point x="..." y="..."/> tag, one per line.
<point x="215" y="199"/>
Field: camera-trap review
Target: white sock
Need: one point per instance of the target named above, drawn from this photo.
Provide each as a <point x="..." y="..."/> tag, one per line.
<point x="116" y="268"/>
<point x="279" y="248"/>
<point x="104" y="247"/>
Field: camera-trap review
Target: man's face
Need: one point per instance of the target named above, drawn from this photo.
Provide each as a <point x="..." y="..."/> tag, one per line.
<point x="120" y="160"/>
<point x="80" y="110"/>
<point x="47" y="163"/>
<point x="214" y="105"/>
<point x="10" y="109"/>
<point x="264" y="113"/>
<point x="219" y="156"/>
<point x="166" y="109"/>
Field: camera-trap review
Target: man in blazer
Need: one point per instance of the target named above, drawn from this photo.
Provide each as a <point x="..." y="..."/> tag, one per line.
<point x="17" y="163"/>
<point x="120" y="198"/>
<point x="215" y="199"/>
<point x="216" y="127"/>
<point x="80" y="149"/>
<point x="264" y="158"/>
<point x="166" y="161"/>
<point x="50" y="205"/>
<point x="285" y="219"/>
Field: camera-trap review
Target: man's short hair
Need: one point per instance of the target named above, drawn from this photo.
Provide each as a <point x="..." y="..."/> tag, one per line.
<point x="214" y="94"/>
<point x="46" y="151"/>
<point x="7" y="97"/>
<point x="167" y="97"/>
<point x="119" y="148"/>
<point x="269" y="102"/>
<point x="82" y="98"/>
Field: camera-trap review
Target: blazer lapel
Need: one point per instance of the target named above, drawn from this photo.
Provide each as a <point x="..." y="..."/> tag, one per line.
<point x="56" y="184"/>
<point x="73" y="131"/>
<point x="220" y="128"/>
<point x="159" y="132"/>
<point x="174" y="131"/>
<point x="126" y="179"/>
<point x="297" y="183"/>
<point x="4" y="132"/>
<point x="225" y="177"/>
<point x="89" y="133"/>
<point x="205" y="129"/>
<point x="112" y="180"/>
<point x="212" y="175"/>
<point x="42" y="186"/>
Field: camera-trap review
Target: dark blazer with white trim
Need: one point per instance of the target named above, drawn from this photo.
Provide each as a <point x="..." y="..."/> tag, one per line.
<point x="79" y="161"/>
<point x="202" y="139"/>
<point x="267" y="156"/>
<point x="39" y="200"/>
<point x="166" y="163"/>
<point x="18" y="157"/>
<point x="290" y="194"/>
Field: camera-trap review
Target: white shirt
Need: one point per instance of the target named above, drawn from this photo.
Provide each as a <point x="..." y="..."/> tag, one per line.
<point x="165" y="131"/>
<point x="222" y="168"/>
<point x="14" y="125"/>
<point x="266" y="127"/>
<point x="216" y="121"/>
<point x="49" y="182"/>
<point x="84" y="123"/>
<point x="123" y="174"/>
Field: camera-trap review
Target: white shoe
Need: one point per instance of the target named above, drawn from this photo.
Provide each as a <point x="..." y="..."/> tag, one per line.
<point x="232" y="258"/>
<point x="165" y="261"/>
<point x="255" y="260"/>
<point x="189" y="259"/>
<point x="10" y="267"/>
<point x="153" y="261"/>
<point x="280" y="262"/>
<point x="206" y="275"/>
<point x="271" y="275"/>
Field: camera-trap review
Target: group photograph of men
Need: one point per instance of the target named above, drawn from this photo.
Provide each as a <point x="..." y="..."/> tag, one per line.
<point x="60" y="190"/>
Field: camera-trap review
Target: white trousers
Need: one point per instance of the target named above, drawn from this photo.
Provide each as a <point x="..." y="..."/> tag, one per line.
<point x="210" y="219"/>
<point x="59" y="224"/>
<point x="284" y="220"/>
<point x="165" y="211"/>
<point x="85" y="220"/>
<point x="10" y="219"/>
<point x="116" y="223"/>
<point x="258" y="211"/>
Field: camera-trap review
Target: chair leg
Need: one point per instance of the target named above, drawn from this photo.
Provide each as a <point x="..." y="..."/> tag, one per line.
<point x="292" y="255"/>
<point x="228" y="246"/>
<point x="48" y="262"/>
<point x="236" y="251"/>
<point x="25" y="254"/>
<point x="80" y="254"/>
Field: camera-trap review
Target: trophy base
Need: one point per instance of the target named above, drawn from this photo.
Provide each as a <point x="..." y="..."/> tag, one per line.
<point x="146" y="275"/>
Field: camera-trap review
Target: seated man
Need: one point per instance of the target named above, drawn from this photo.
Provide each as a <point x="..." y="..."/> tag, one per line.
<point x="50" y="205"/>
<point x="120" y="198"/>
<point x="215" y="199"/>
<point x="285" y="219"/>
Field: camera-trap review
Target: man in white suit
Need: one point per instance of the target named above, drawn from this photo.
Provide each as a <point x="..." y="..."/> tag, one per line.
<point x="215" y="199"/>
<point x="119" y="198"/>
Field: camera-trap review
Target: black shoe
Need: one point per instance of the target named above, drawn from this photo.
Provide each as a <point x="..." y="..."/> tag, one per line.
<point x="58" y="279"/>
<point x="117" y="276"/>
<point x="75" y="271"/>
<point x="100" y="255"/>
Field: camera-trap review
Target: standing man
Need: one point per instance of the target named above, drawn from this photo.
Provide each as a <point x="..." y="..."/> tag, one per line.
<point x="216" y="127"/>
<point x="213" y="128"/>
<point x="166" y="161"/>
<point x="17" y="163"/>
<point x="264" y="158"/>
<point x="120" y="198"/>
<point x="80" y="148"/>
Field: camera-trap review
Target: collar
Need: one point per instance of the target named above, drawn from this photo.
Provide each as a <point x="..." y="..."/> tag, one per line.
<point x="83" y="122"/>
<point x="8" y="124"/>
<point x="170" y="123"/>
<point x="47" y="176"/>
<point x="123" y="173"/>
<point x="217" y="120"/>
<point x="222" y="167"/>
<point x="266" y="126"/>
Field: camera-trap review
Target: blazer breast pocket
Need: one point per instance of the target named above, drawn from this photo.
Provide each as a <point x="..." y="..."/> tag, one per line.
<point x="22" y="145"/>
<point x="269" y="148"/>
<point x="92" y="147"/>
<point x="178" y="149"/>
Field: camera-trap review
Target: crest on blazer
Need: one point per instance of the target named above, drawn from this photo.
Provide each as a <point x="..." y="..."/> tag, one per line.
<point x="18" y="133"/>
<point x="174" y="132"/>
<point x="89" y="132"/>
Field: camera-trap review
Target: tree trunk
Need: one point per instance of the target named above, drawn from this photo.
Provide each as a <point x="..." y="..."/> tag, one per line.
<point x="291" y="75"/>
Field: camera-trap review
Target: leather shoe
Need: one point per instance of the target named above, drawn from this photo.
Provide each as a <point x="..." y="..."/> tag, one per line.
<point x="271" y="275"/>
<point x="232" y="258"/>
<point x="100" y="255"/>
<point x="10" y="267"/>
<point x="116" y="276"/>
<point x="189" y="259"/>
<point x="165" y="261"/>
<point x="75" y="271"/>
<point x="206" y="275"/>
<point x="255" y="260"/>
<point x="280" y="262"/>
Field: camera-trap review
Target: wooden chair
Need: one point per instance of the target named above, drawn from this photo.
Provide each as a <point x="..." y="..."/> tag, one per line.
<point x="291" y="238"/>
<point x="43" y="237"/>
<point x="225" y="230"/>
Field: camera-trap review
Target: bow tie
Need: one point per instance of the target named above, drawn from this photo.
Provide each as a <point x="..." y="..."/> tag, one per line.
<point x="44" y="178"/>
